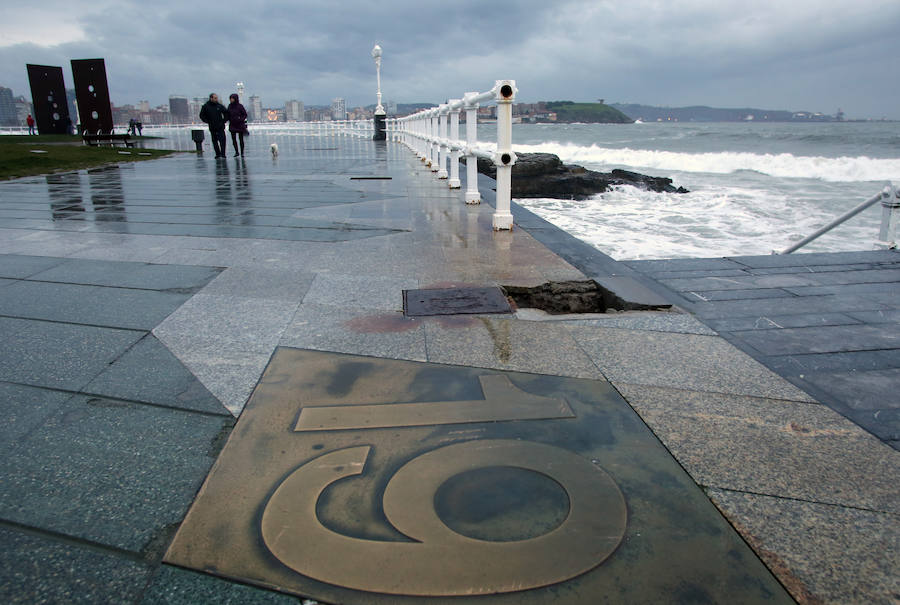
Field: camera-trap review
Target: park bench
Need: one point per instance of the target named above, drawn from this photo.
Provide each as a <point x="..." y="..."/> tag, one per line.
<point x="95" y="139"/>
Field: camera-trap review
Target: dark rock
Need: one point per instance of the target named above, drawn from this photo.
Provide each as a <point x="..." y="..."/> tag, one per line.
<point x="544" y="175"/>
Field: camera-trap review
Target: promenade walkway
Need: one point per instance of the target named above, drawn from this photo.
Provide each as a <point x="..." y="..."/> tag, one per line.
<point x="212" y="394"/>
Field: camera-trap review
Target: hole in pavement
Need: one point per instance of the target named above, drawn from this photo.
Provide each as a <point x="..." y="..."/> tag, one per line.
<point x="557" y="298"/>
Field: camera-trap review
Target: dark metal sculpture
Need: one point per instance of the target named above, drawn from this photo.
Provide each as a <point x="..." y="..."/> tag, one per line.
<point x="48" y="94"/>
<point x="92" y="94"/>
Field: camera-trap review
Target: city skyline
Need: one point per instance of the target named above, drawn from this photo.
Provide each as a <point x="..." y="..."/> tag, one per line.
<point x="815" y="56"/>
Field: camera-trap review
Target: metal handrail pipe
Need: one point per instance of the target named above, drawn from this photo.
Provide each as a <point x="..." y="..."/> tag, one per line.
<point x="886" y="193"/>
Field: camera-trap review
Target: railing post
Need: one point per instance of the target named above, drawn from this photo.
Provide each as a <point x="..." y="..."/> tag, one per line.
<point x="435" y="148"/>
<point x="442" y="133"/>
<point x="472" y="195"/>
<point x="454" y="153"/>
<point x="890" y="216"/>
<point x="504" y="158"/>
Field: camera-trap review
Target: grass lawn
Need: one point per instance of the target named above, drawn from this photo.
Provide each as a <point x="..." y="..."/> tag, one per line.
<point x="60" y="152"/>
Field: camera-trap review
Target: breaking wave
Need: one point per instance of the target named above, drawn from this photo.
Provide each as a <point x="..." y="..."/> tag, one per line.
<point x="783" y="165"/>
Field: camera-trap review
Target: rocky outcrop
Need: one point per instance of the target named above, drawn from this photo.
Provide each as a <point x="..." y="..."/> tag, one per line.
<point x="544" y="175"/>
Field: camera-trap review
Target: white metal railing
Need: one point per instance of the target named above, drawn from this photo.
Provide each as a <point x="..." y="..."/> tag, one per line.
<point x="426" y="134"/>
<point x="890" y="216"/>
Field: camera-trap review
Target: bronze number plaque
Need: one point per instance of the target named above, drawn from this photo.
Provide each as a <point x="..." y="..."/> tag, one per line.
<point x="363" y="480"/>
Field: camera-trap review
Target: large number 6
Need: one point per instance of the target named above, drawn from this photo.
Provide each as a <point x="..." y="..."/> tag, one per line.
<point x="441" y="561"/>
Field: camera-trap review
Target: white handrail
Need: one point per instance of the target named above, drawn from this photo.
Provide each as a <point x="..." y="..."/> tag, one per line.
<point x="890" y="201"/>
<point x="426" y="134"/>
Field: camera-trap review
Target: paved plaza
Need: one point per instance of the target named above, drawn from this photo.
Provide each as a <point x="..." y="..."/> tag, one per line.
<point x="213" y="394"/>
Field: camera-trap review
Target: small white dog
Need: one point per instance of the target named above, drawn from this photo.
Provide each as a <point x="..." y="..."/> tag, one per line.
<point x="274" y="149"/>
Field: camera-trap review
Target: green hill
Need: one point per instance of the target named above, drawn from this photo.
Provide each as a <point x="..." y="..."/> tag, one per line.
<point x="567" y="111"/>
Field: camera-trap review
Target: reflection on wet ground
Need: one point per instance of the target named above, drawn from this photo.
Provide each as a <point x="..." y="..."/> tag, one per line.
<point x="257" y="196"/>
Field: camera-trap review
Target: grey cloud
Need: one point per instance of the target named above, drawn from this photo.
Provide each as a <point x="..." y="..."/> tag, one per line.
<point x="799" y="55"/>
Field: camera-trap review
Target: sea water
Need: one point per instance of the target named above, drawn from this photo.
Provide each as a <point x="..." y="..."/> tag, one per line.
<point x="754" y="187"/>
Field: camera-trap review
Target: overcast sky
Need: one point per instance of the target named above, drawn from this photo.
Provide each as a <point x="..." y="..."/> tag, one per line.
<point x="790" y="54"/>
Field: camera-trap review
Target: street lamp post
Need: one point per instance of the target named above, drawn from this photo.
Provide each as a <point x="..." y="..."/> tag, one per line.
<point x="380" y="116"/>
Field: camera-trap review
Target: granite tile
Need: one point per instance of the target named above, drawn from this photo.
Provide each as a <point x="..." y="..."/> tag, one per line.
<point x="38" y="569"/>
<point x="812" y="259"/>
<point x="891" y="289"/>
<point x="229" y="322"/>
<point x="507" y="344"/>
<point x="800" y="365"/>
<point x="714" y="295"/>
<point x="91" y="305"/>
<point x="687" y="361"/>
<point x="765" y="446"/>
<point x="876" y="317"/>
<point x="57" y="355"/>
<point x="799" y="320"/>
<point x="785" y="306"/>
<point x="684" y="264"/>
<point x="821" y="553"/>
<point x="360" y="331"/>
<point x="116" y="473"/>
<point x="848" y="277"/>
<point x="148" y="372"/>
<point x="262" y="282"/>
<point x="367" y="292"/>
<point x="24" y="408"/>
<point x="230" y="375"/>
<point x="741" y="282"/>
<point x="823" y="339"/>
<point x="123" y="274"/>
<point x="19" y="266"/>
<point x="175" y="586"/>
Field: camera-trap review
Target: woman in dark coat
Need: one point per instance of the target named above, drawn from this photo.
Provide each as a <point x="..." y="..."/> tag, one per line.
<point x="237" y="120"/>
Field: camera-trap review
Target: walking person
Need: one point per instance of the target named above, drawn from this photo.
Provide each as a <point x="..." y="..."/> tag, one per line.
<point x="30" y="121"/>
<point x="237" y="123"/>
<point x="215" y="115"/>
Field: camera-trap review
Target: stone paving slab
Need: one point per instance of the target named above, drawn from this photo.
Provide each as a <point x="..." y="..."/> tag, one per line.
<point x="791" y="450"/>
<point x="109" y="471"/>
<point x="685" y="361"/>
<point x="175" y="586"/>
<point x="59" y="355"/>
<point x="90" y="305"/>
<point x="824" y="339"/>
<point x="128" y="275"/>
<point x="42" y="570"/>
<point x="19" y="267"/>
<point x="836" y="337"/>
<point x="148" y="372"/>
<point x="825" y="553"/>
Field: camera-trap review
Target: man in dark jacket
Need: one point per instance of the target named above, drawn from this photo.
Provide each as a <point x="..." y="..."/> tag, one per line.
<point x="215" y="115"/>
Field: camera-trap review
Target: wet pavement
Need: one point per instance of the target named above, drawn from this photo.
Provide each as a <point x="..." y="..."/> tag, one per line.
<point x="218" y="350"/>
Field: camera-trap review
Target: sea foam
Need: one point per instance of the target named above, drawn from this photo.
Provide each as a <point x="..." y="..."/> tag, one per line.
<point x="783" y="165"/>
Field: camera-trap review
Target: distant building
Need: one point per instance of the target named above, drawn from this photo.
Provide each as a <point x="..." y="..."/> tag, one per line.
<point x="240" y="91"/>
<point x="195" y="105"/>
<point x="179" y="109"/>
<point x="144" y="106"/>
<point x="255" y="109"/>
<point x="8" y="115"/>
<point x="293" y="111"/>
<point x="339" y="109"/>
<point x="24" y="107"/>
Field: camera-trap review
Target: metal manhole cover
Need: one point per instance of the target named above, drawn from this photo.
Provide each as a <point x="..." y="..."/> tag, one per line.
<point x="454" y="301"/>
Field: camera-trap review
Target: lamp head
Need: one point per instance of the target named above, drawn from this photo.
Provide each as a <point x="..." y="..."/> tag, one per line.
<point x="376" y="52"/>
